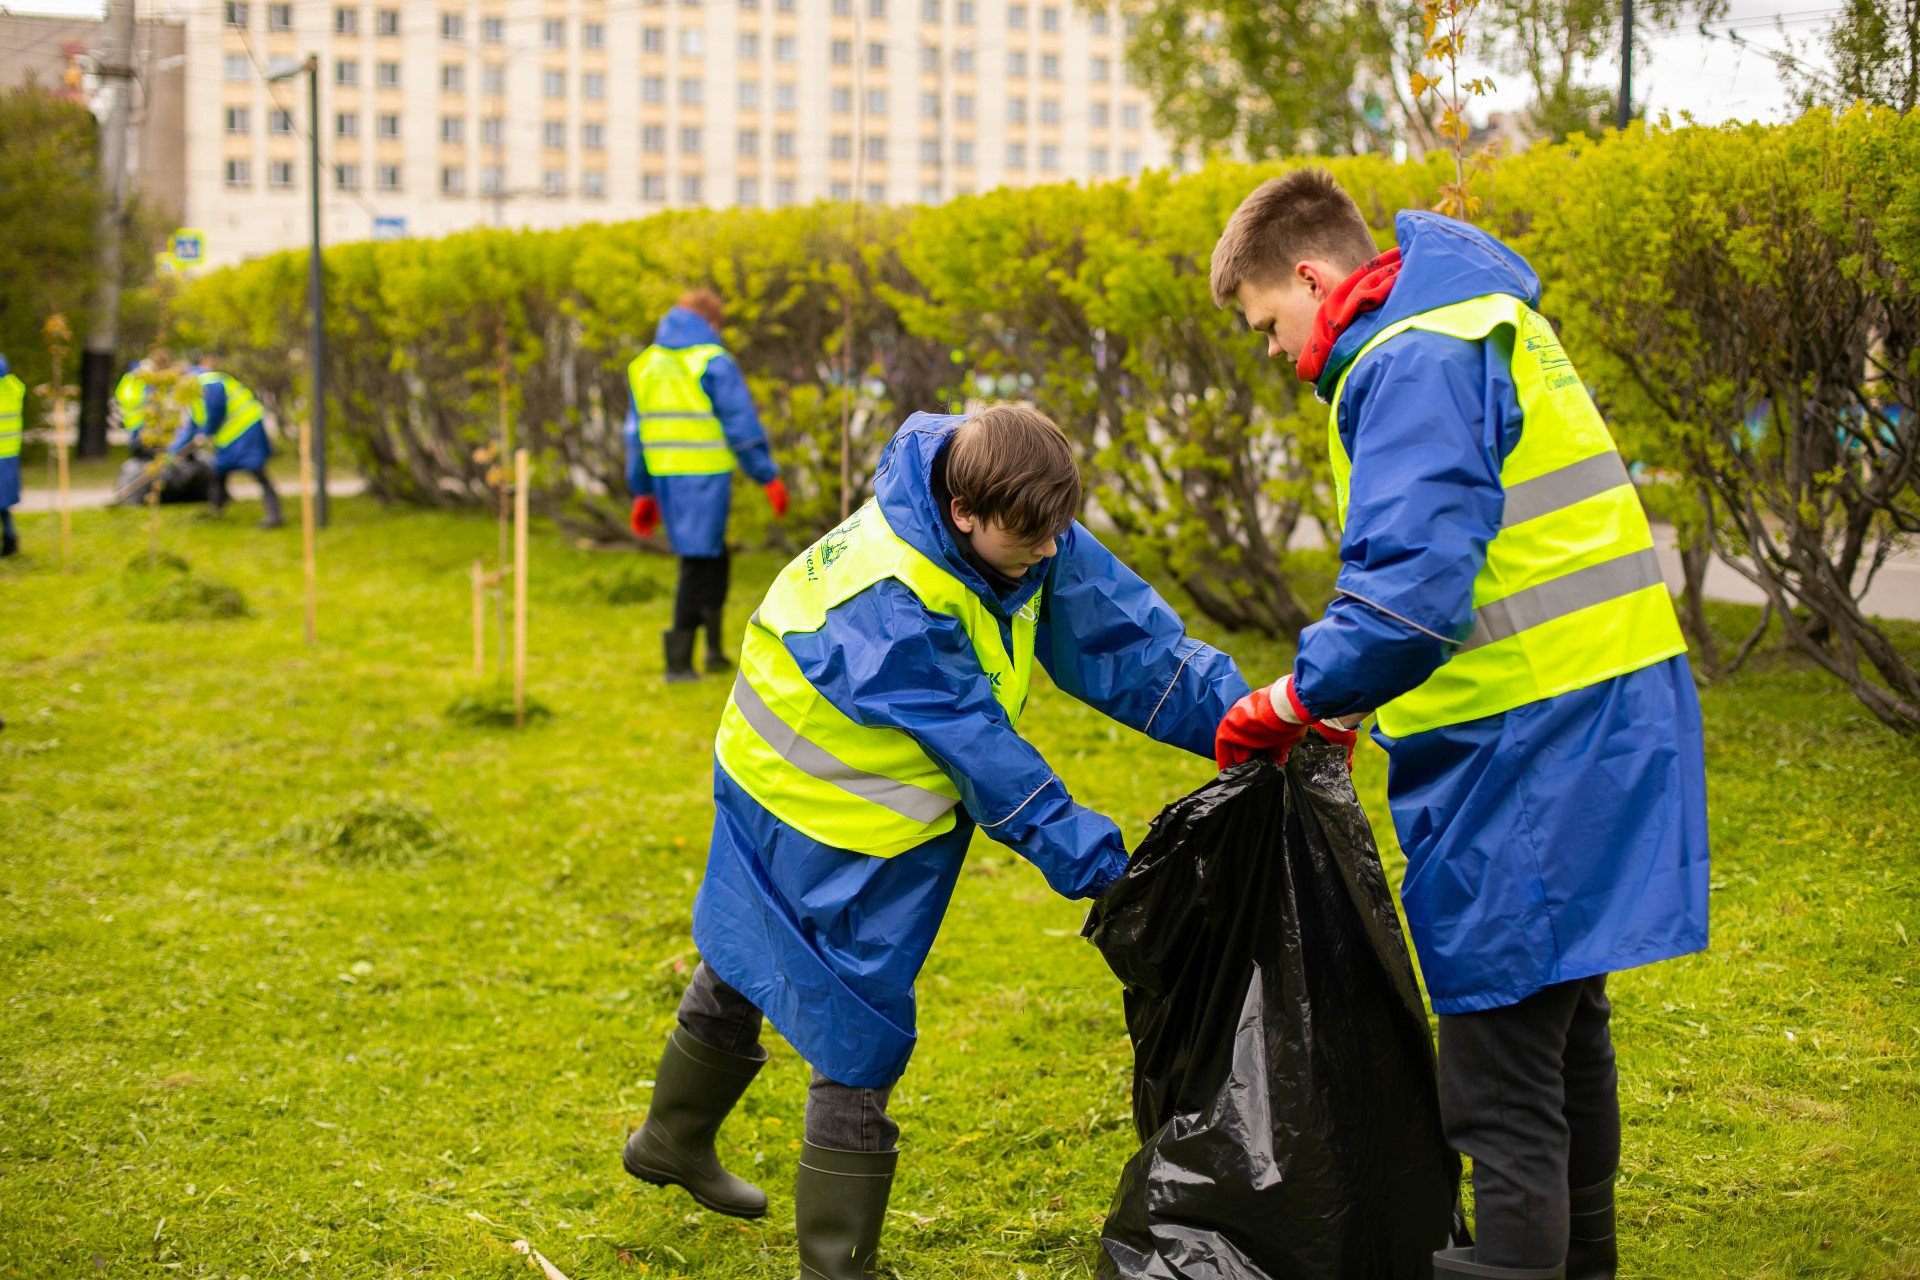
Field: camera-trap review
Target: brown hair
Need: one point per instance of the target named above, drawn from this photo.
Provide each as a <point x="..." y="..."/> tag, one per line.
<point x="1010" y="465"/>
<point x="1303" y="214"/>
<point x="706" y="304"/>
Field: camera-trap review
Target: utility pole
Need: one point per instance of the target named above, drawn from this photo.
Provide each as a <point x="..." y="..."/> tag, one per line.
<point x="316" y="290"/>
<point x="1624" y="116"/>
<point x="114" y="66"/>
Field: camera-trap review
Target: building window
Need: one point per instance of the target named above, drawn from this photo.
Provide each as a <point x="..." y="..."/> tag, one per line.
<point x="877" y="9"/>
<point x="1130" y="116"/>
<point x="653" y="186"/>
<point x="876" y="102"/>
<point x="386" y="127"/>
<point x="963" y="106"/>
<point x="1050" y="66"/>
<point x="693" y="42"/>
<point x="690" y="140"/>
<point x="593" y="185"/>
<point x="493" y="182"/>
<point x="492" y="31"/>
<point x="1049" y="156"/>
<point x="784" y="49"/>
<point x="929" y="57"/>
<point x="280" y="18"/>
<point x="929" y="193"/>
<point x="236" y="67"/>
<point x="1017" y="17"/>
<point x="749" y="142"/>
<point x="453" y="78"/>
<point x="1016" y="155"/>
<point x="653" y="40"/>
<point x="1016" y="63"/>
<point x="653" y="89"/>
<point x="593" y="86"/>
<point x="236" y="14"/>
<point x="783" y="145"/>
<point x="386" y="75"/>
<point x="750" y="6"/>
<point x="1016" y="110"/>
<point x="963" y="13"/>
<point x="749" y="191"/>
<point x="593" y="35"/>
<point x="963" y="152"/>
<point x="346" y="72"/>
<point x="453" y="130"/>
<point x="1130" y="162"/>
<point x="692" y="92"/>
<point x="493" y="131"/>
<point x="842" y="146"/>
<point x="553" y="83"/>
<point x="346" y="124"/>
<point x="554" y="33"/>
<point x="784" y="97"/>
<point x="843" y="53"/>
<point x="1098" y="71"/>
<point x="453" y="26"/>
<point x="1050" y="111"/>
<point x="690" y="188"/>
<point x="553" y="135"/>
<point x="1097" y="115"/>
<point x="1098" y="21"/>
<point x="280" y="174"/>
<point x="929" y="106"/>
<point x="842" y="191"/>
<point x="1097" y="159"/>
<point x="876" y="193"/>
<point x="386" y="22"/>
<point x="876" y="54"/>
<point x="842" y="100"/>
<point x="653" y="137"/>
<point x="346" y="177"/>
<point x="387" y="177"/>
<point x="929" y="10"/>
<point x="453" y="180"/>
<point x="929" y="151"/>
<point x="783" y="194"/>
<point x="593" y="136"/>
<point x="963" y="60"/>
<point x="843" y="8"/>
<point x="749" y="94"/>
<point x="239" y="120"/>
<point x="553" y="182"/>
<point x="493" y="81"/>
<point x="1049" y="19"/>
<point x="279" y="122"/>
<point x="749" y="47"/>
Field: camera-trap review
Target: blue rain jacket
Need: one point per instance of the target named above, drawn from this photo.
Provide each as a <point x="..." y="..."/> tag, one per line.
<point x="1559" y="840"/>
<point x="827" y="942"/>
<point x="694" y="509"/>
<point x="247" y="453"/>
<point x="10" y="467"/>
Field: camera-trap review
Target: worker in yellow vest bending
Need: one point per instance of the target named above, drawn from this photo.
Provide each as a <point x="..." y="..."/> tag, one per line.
<point x="13" y="403"/>
<point x="227" y="413"/>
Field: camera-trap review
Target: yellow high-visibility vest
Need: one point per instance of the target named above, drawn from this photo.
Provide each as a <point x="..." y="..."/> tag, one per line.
<point x="243" y="410"/>
<point x="1571" y="592"/>
<point x="13" y="400"/>
<point x="131" y="395"/>
<point x="871" y="790"/>
<point x="680" y="434"/>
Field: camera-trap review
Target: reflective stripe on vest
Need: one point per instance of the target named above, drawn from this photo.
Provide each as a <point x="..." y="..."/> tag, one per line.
<point x="872" y="790"/>
<point x="680" y="434"/>
<point x="1571" y="592"/>
<point x="131" y="394"/>
<point x="243" y="410"/>
<point x="13" y="399"/>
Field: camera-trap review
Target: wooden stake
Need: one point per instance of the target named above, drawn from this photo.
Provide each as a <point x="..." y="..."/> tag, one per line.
<point x="500" y="463"/>
<point x="519" y="588"/>
<point x="66" y="502"/>
<point x="479" y="619"/>
<point x="306" y="525"/>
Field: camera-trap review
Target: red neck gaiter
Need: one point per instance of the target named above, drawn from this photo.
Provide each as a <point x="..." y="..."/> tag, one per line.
<point x="1362" y="291"/>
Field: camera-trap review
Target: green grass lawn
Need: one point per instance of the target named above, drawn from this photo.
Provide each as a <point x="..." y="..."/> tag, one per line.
<point x="260" y="1019"/>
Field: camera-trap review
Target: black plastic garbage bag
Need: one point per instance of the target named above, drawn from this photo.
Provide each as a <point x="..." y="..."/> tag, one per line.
<point x="1283" y="1081"/>
<point x="185" y="479"/>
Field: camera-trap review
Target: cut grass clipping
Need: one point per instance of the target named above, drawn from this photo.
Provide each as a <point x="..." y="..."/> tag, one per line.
<point x="629" y="584"/>
<point x="491" y="708"/>
<point x="166" y="588"/>
<point x="371" y="829"/>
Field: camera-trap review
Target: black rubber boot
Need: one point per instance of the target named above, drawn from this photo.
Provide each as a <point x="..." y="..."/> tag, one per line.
<point x="679" y="647"/>
<point x="839" y="1206"/>
<point x="694" y="1089"/>
<point x="9" y="545"/>
<point x="716" y="659"/>
<point x="1593" y="1253"/>
<point x="1451" y="1263"/>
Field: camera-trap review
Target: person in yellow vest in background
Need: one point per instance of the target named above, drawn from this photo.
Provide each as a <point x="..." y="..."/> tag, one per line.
<point x="873" y="725"/>
<point x="133" y="398"/>
<point x="1500" y="608"/>
<point x="229" y="415"/>
<point x="13" y="404"/>
<point x="691" y="418"/>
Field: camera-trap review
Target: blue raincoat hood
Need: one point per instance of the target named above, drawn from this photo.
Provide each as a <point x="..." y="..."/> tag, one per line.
<point x="683" y="328"/>
<point x="1442" y="261"/>
<point x="5" y="368"/>
<point x="903" y="486"/>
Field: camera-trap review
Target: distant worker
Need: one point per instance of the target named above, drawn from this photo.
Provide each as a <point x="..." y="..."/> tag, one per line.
<point x="134" y="398"/>
<point x="692" y="416"/>
<point x="13" y="401"/>
<point x="227" y="413"/>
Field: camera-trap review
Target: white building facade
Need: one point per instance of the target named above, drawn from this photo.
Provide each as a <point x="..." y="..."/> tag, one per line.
<point x="543" y="113"/>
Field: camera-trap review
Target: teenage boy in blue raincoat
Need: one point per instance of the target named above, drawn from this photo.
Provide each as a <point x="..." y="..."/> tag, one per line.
<point x="872" y="727"/>
<point x="691" y="418"/>
<point x="228" y="414"/>
<point x="1500" y="609"/>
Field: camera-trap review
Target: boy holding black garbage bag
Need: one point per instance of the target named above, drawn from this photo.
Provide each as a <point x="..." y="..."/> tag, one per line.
<point x="1500" y="609"/>
<point x="872" y="726"/>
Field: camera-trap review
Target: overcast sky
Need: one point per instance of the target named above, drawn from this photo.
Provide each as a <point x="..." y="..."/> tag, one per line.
<point x="1712" y="76"/>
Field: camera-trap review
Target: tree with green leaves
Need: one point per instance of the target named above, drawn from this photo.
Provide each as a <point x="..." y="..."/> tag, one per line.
<point x="1874" y="49"/>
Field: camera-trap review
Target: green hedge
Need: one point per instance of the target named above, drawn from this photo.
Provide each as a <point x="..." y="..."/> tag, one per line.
<point x="1203" y="458"/>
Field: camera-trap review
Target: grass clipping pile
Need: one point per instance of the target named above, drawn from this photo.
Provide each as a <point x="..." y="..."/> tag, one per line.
<point x="372" y="829"/>
<point x="163" y="587"/>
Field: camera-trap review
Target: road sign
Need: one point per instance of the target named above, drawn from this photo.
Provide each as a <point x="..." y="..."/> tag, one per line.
<point x="186" y="249"/>
<point x="389" y="228"/>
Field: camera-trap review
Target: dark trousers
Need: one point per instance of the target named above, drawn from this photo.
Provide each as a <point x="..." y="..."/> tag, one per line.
<point x="1530" y="1092"/>
<point x="702" y="586"/>
<point x="6" y="523"/>
<point x="269" y="497"/>
<point x="842" y="1117"/>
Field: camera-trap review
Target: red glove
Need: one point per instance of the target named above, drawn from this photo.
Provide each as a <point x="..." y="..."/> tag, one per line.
<point x="645" y="517"/>
<point x="777" y="495"/>
<point x="1347" y="738"/>
<point x="1253" y="727"/>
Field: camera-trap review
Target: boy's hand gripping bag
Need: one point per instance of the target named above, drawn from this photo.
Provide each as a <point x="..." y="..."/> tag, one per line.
<point x="1283" y="1081"/>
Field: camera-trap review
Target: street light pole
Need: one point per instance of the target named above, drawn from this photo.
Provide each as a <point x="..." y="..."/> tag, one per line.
<point x="316" y="290"/>
<point x="1624" y="115"/>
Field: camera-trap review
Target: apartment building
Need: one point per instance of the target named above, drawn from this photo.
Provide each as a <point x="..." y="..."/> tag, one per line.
<point x="540" y="113"/>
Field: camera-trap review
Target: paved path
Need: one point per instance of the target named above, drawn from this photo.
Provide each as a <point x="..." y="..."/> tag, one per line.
<point x="240" y="487"/>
